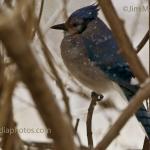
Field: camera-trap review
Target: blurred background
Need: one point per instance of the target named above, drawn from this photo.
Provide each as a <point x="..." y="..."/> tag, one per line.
<point x="134" y="13"/>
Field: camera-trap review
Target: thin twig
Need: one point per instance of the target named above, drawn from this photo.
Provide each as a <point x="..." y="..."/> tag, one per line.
<point x="143" y="42"/>
<point x="39" y="18"/>
<point x="41" y="11"/>
<point x="75" y="130"/>
<point x="77" y="124"/>
<point x="49" y="58"/>
<point x="95" y="98"/>
<point x="133" y="106"/>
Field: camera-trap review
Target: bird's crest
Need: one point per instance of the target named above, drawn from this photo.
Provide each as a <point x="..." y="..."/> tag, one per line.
<point x="88" y="12"/>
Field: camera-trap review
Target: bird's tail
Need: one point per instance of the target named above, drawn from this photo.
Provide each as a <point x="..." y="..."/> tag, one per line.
<point x="142" y="114"/>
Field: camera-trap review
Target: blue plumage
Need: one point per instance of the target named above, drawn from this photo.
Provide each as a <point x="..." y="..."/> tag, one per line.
<point x="102" y="49"/>
<point x="89" y="12"/>
<point x="91" y="54"/>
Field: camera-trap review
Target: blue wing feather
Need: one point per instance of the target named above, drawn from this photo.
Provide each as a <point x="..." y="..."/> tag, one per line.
<point x="102" y="49"/>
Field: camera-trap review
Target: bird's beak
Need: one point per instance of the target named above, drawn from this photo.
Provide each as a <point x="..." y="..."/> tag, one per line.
<point x="59" y="27"/>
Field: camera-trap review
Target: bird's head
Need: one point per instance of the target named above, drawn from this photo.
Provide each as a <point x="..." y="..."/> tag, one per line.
<point x="78" y="20"/>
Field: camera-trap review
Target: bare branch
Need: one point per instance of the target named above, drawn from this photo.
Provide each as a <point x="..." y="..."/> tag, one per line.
<point x="124" y="43"/>
<point x="143" y="42"/>
<point x="146" y="145"/>
<point x="77" y="124"/>
<point x="49" y="59"/>
<point x="6" y="114"/>
<point x="41" y="10"/>
<point x="133" y="106"/>
<point x="5" y="100"/>
<point x="129" y="53"/>
<point x="11" y="140"/>
<point x="1" y="73"/>
<point x="95" y="98"/>
<point x="39" y="19"/>
<point x="32" y="76"/>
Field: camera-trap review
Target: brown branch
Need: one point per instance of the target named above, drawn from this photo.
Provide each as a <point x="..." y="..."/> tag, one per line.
<point x="30" y="22"/>
<point x="11" y="141"/>
<point x="133" y="106"/>
<point x="129" y="53"/>
<point x="75" y="131"/>
<point x="39" y="18"/>
<point x="146" y="144"/>
<point x="126" y="48"/>
<point x="77" y="124"/>
<point x="1" y="73"/>
<point x="40" y="14"/>
<point x="49" y="59"/>
<point x="143" y="42"/>
<point x="8" y="140"/>
<point x="6" y="115"/>
<point x="5" y="100"/>
<point x="32" y="75"/>
<point x="95" y="98"/>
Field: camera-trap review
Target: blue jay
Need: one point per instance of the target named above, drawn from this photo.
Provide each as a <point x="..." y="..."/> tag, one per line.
<point x="91" y="54"/>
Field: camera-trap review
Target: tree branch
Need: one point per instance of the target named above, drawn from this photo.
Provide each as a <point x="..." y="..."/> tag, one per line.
<point x="133" y="106"/>
<point x="95" y="98"/>
<point x="143" y="42"/>
<point x="129" y="53"/>
<point x="1" y="73"/>
<point x="32" y="75"/>
<point x="49" y="58"/>
<point x="76" y="125"/>
<point x="126" y="48"/>
<point x="39" y="18"/>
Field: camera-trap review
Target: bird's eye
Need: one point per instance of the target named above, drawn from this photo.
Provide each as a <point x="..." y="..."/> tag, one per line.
<point x="78" y="27"/>
<point x="74" y="25"/>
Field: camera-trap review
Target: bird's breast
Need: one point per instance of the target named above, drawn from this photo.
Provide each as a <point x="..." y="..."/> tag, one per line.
<point x="75" y="58"/>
